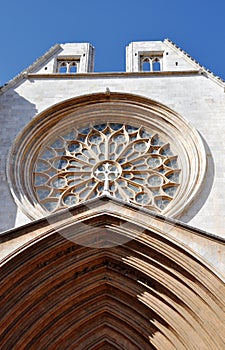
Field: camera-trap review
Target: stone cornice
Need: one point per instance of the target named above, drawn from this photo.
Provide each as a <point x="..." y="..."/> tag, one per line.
<point x="28" y="72"/>
<point x="95" y="75"/>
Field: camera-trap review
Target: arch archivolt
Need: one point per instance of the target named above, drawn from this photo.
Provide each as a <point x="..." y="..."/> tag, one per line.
<point x="148" y="293"/>
<point x="165" y="193"/>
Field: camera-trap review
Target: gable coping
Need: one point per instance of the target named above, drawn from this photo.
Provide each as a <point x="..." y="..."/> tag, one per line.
<point x="23" y="75"/>
<point x="201" y="68"/>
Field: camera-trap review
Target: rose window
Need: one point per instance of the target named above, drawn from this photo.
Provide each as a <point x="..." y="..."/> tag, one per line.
<point x="126" y="162"/>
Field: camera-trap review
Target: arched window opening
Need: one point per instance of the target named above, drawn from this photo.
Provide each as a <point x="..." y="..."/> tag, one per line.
<point x="156" y="65"/>
<point x="67" y="65"/>
<point x="146" y="65"/>
<point x="73" y="68"/>
<point x="62" y="68"/>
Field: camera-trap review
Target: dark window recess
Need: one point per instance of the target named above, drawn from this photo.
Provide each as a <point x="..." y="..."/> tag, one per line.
<point x="73" y="69"/>
<point x="156" y="66"/>
<point x="146" y="67"/>
<point x="63" y="69"/>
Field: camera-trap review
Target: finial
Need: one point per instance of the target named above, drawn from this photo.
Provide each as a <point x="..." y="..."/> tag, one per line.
<point x="107" y="91"/>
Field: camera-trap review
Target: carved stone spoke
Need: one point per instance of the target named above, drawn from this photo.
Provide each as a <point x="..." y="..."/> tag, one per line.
<point x="120" y="160"/>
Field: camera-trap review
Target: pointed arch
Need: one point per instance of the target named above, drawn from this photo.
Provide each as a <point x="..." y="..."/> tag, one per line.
<point x="156" y="64"/>
<point x="109" y="282"/>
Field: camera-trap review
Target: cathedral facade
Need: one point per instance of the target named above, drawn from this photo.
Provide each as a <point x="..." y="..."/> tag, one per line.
<point x="112" y="220"/>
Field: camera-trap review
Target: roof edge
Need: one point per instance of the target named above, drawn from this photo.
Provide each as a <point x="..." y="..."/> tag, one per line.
<point x="203" y="70"/>
<point x="54" y="49"/>
<point x="23" y="75"/>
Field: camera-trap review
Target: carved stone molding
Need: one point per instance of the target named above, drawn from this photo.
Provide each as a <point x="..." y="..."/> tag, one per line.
<point x="180" y="138"/>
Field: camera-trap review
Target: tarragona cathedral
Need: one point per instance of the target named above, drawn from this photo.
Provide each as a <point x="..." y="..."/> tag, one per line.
<point x="112" y="203"/>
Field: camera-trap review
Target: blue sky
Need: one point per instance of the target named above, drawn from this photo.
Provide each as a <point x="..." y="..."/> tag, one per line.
<point x="29" y="28"/>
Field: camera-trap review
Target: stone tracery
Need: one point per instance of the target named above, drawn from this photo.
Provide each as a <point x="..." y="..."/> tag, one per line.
<point x="66" y="144"/>
<point x="127" y="162"/>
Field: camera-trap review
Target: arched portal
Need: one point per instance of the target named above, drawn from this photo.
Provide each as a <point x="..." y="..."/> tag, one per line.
<point x="105" y="282"/>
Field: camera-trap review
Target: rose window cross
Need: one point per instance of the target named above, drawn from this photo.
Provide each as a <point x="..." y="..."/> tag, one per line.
<point x="106" y="172"/>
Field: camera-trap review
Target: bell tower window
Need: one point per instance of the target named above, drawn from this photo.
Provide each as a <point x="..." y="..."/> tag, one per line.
<point x="62" y="68"/>
<point x="73" y="67"/>
<point x="151" y="63"/>
<point x="156" y="65"/>
<point x="69" y="65"/>
<point x="146" y="65"/>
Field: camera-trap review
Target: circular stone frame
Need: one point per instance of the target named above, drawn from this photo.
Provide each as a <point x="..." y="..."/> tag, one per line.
<point x="116" y="107"/>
